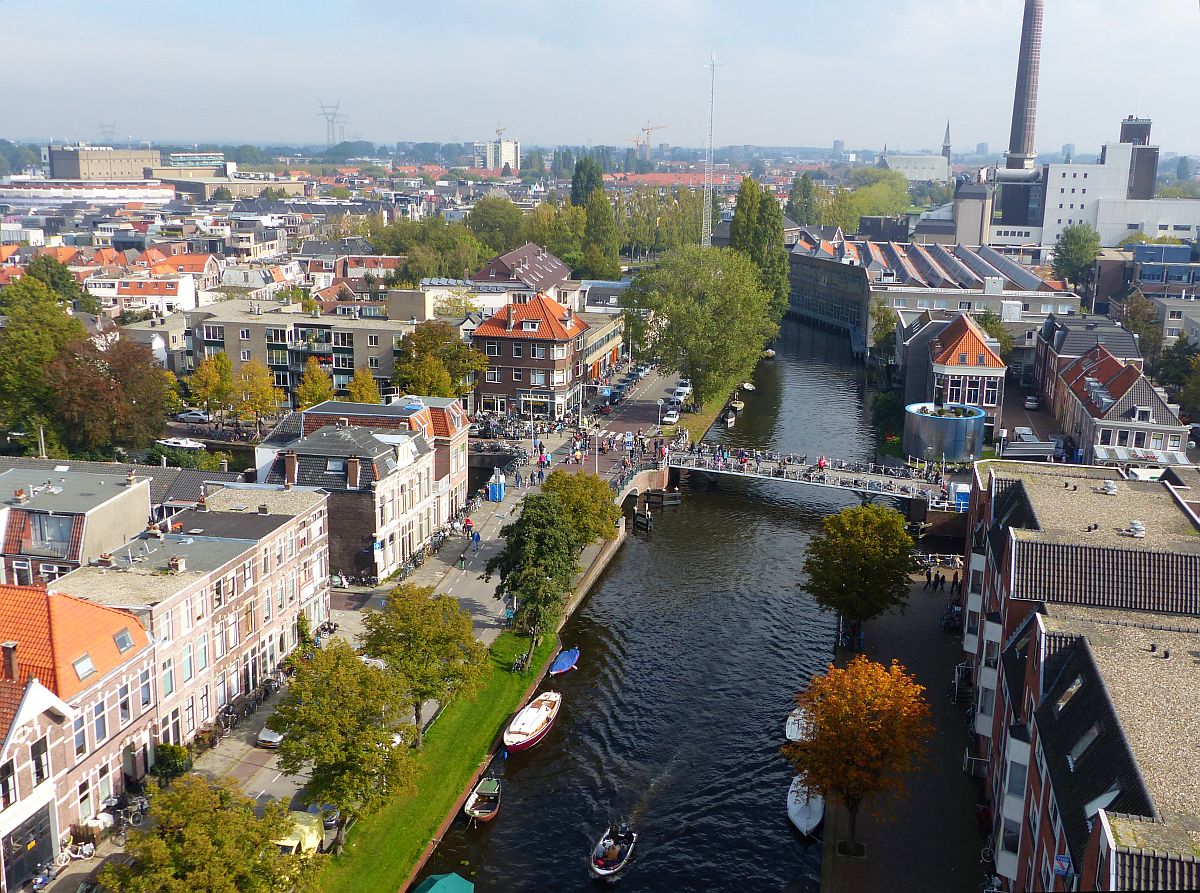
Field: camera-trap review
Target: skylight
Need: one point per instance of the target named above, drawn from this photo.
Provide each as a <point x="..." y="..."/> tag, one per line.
<point x="84" y="667"/>
<point x="1084" y="742"/>
<point x="123" y="640"/>
<point x="1065" y="697"/>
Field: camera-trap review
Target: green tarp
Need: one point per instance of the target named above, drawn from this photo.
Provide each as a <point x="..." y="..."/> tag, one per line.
<point x="445" y="883"/>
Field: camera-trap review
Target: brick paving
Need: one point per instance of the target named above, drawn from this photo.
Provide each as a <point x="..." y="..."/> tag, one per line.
<point x="928" y="839"/>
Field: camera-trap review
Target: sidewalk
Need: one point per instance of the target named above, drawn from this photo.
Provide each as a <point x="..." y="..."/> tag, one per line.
<point x="927" y="839"/>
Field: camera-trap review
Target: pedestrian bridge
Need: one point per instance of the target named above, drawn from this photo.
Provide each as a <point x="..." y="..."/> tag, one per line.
<point x="866" y="481"/>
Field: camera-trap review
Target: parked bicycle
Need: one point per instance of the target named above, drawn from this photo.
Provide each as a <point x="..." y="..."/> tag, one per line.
<point x="72" y="851"/>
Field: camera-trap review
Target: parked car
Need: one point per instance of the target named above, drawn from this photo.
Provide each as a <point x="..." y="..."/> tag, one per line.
<point x="685" y="384"/>
<point x="328" y="812"/>
<point x="680" y="394"/>
<point x="269" y="738"/>
<point x="1032" y="402"/>
<point x="643" y="371"/>
<point x="194" y="417"/>
<point x="671" y="417"/>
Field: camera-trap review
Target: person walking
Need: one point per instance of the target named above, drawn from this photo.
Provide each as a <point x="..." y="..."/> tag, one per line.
<point x="541" y="476"/>
<point x="928" y="578"/>
<point x="462" y="561"/>
<point x="955" y="585"/>
<point x="475" y="540"/>
<point x="468" y="527"/>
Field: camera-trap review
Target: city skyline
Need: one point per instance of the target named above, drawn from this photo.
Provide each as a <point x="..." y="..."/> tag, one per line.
<point x="807" y="85"/>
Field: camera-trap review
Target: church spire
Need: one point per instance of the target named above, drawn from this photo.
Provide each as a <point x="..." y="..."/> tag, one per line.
<point x="946" y="142"/>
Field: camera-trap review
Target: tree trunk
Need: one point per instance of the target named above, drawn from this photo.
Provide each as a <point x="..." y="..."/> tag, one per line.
<point x="339" y="838"/>
<point x="852" y="808"/>
<point x="417" y="717"/>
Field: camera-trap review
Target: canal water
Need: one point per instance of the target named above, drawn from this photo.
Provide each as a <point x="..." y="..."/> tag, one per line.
<point x="693" y="643"/>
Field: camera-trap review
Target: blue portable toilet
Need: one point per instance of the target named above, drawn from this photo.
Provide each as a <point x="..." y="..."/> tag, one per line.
<point x="495" y="491"/>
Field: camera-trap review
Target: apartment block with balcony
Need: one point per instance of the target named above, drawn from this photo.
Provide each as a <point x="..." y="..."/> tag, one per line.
<point x="56" y="520"/>
<point x="220" y="594"/>
<point x="283" y="338"/>
<point x="1048" y="541"/>
<point x="77" y="713"/>
<point x="383" y="500"/>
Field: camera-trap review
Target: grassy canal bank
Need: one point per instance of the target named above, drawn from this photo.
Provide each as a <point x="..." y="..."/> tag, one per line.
<point x="698" y="423"/>
<point x="383" y="849"/>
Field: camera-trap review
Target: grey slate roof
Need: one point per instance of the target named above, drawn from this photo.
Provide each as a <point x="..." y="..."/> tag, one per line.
<point x="331" y="442"/>
<point x="1074" y="337"/>
<point x="168" y="486"/>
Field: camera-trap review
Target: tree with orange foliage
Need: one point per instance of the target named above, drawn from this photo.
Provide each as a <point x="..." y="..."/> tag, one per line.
<point x="869" y="724"/>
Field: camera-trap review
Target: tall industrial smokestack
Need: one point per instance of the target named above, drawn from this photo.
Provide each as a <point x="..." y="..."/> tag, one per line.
<point x="1021" y="153"/>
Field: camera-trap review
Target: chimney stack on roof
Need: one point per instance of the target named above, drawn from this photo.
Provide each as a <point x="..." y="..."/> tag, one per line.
<point x="353" y="472"/>
<point x="1021" y="155"/>
<point x="130" y="478"/>
<point x="10" y="666"/>
<point x="289" y="469"/>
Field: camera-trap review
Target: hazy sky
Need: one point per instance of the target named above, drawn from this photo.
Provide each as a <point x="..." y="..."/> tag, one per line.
<point x="803" y="72"/>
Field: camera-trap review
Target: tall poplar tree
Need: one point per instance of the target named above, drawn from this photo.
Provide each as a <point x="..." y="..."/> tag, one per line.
<point x="600" y="240"/>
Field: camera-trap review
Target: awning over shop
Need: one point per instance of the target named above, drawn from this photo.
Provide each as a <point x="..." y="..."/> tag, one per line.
<point x="1113" y="455"/>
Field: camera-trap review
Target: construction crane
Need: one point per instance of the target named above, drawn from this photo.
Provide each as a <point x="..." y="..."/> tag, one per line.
<point x="500" y="131"/>
<point x="646" y="131"/>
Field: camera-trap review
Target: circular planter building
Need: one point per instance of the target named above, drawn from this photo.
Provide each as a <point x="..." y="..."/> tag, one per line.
<point x="954" y="430"/>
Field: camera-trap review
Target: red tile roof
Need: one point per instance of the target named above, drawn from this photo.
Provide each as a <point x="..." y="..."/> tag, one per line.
<point x="963" y="336"/>
<point x="555" y="322"/>
<point x="184" y="263"/>
<point x="1116" y="377"/>
<point x="10" y="274"/>
<point x="7" y="251"/>
<point x="53" y="630"/>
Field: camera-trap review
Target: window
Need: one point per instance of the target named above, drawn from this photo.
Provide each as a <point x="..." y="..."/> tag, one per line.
<point x="1106" y="436"/>
<point x="1174" y="314"/>
<point x="530" y="325"/>
<point x="372" y="341"/>
<point x="1068" y="693"/>
<point x="560" y="376"/>
<point x="1173" y="442"/>
<point x="39" y="756"/>
<point x="991" y="391"/>
<point x="124" y="707"/>
<point x="518" y="350"/>
<point x="538" y="351"/>
<point x="972" y="628"/>
<point x="372" y="362"/>
<point x="1052" y="810"/>
<point x="202" y="653"/>
<point x="1034" y="819"/>
<point x="1173" y="331"/>
<point x="518" y="374"/>
<point x="1139" y="440"/>
<point x="1010" y="836"/>
<point x="84" y="667"/>
<point x="1017" y="773"/>
<point x="1084" y="742"/>
<point x="8" y="785"/>
<point x="123" y="640"/>
<point x="987" y="701"/>
<point x="991" y="654"/>
<point x="167" y="678"/>
<point x="560" y="351"/>
<point x="166" y="626"/>
<point x="491" y="348"/>
<point x="493" y="375"/>
<point x="144" y="683"/>
<point x="537" y="376"/>
<point x="214" y="333"/>
<point x="189" y="667"/>
<point x="1122" y="438"/>
<point x="244" y="334"/>
<point x="343" y="339"/>
<point x="85" y="801"/>
<point x="80" y="729"/>
<point x="100" y="721"/>
<point x="204" y="711"/>
<point x="245" y="356"/>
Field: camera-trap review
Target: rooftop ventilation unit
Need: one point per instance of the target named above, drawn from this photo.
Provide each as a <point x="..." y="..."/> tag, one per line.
<point x="1109" y="487"/>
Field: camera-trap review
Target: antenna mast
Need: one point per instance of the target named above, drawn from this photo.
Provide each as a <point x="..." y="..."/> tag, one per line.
<point x="332" y="118"/>
<point x="706" y="219"/>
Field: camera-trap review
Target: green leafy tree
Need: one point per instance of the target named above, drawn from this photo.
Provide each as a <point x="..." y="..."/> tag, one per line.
<point x="772" y="257"/>
<point x="744" y="233"/>
<point x="257" y="395"/>
<point x="506" y="171"/>
<point x="428" y="641"/>
<point x="202" y="459"/>
<point x="339" y="192"/>
<point x="888" y="411"/>
<point x="587" y="503"/>
<point x="211" y="384"/>
<point x="859" y="565"/>
<point x="1141" y="318"/>
<point x="275" y="194"/>
<point x="315" y="385"/>
<point x="991" y="323"/>
<point x="363" y="388"/>
<point x="1140" y="238"/>
<point x="457" y="304"/>
<point x="883" y="329"/>
<point x="206" y="835"/>
<point x="1189" y="391"/>
<point x="496" y="222"/>
<point x="344" y="724"/>
<point x="1184" y="169"/>
<point x="704" y="313"/>
<point x="439" y="340"/>
<point x="802" y="201"/>
<point x="1175" y="362"/>
<point x="537" y="564"/>
<point x="1076" y="250"/>
<point x="587" y="178"/>
<point x="62" y="282"/>
<point x="222" y="194"/>
<point x="35" y="333"/>
<point x="600" y="242"/>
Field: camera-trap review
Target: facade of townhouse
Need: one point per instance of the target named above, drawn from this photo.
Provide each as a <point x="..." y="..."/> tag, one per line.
<point x="1051" y="541"/>
<point x="57" y="520"/>
<point x="535" y="365"/>
<point x="220" y="594"/>
<point x="1112" y="414"/>
<point x="1060" y="341"/>
<point x="383" y="500"/>
<point x="284" y="337"/>
<point x="76" y="719"/>
<point x="953" y="361"/>
<point x="161" y="295"/>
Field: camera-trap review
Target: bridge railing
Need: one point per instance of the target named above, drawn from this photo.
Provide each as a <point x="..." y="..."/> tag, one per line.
<point x="620" y="477"/>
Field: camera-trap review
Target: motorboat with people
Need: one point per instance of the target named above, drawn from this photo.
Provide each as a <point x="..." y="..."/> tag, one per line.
<point x="736" y="403"/>
<point x="533" y="722"/>
<point x="805" y="807"/>
<point x="798" y="726"/>
<point x="613" y="850"/>
<point x="483" y="803"/>
<point x="566" y="661"/>
<point x="180" y="443"/>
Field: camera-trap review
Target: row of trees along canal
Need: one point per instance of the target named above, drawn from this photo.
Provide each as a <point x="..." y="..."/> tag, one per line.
<point x="355" y="730"/>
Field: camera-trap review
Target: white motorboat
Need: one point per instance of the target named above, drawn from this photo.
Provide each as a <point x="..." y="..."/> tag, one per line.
<point x="747" y="386"/>
<point x="798" y="725"/>
<point x="533" y="723"/>
<point x="805" y="808"/>
<point x="769" y="353"/>
<point x="180" y="443"/>
<point x="612" y="851"/>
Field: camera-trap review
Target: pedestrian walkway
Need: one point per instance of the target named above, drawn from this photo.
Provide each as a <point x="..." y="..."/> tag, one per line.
<point x="928" y="839"/>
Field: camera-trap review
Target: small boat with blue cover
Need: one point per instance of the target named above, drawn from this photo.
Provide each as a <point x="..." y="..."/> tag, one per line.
<point x="567" y="660"/>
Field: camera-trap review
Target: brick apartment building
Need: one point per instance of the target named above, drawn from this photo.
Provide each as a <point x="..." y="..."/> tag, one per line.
<point x="1083" y="593"/>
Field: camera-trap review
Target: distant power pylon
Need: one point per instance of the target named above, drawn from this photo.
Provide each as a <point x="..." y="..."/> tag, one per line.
<point x="331" y="115"/>
<point x="706" y="220"/>
<point x="108" y="132"/>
